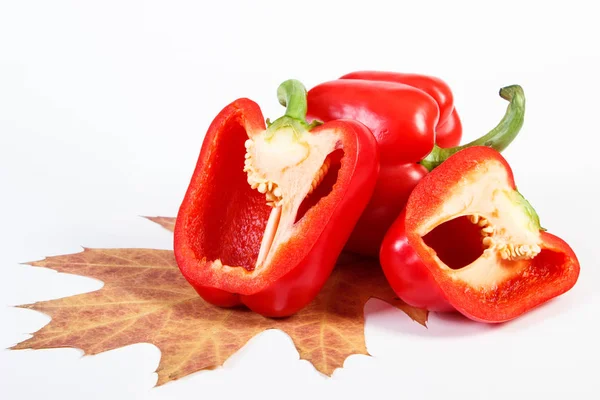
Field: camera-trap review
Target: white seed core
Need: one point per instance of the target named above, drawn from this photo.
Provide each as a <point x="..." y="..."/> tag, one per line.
<point x="286" y="167"/>
<point x="506" y="250"/>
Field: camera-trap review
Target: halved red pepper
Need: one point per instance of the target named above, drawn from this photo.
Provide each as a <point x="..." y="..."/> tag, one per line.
<point x="469" y="241"/>
<point x="268" y="209"/>
<point x="415" y="123"/>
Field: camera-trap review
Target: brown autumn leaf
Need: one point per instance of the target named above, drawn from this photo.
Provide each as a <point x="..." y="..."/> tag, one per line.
<point x="166" y="222"/>
<point x="146" y="299"/>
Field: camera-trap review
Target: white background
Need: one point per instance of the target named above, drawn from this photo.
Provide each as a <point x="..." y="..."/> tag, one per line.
<point x="103" y="108"/>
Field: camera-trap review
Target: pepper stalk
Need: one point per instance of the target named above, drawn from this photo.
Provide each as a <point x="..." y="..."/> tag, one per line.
<point x="498" y="138"/>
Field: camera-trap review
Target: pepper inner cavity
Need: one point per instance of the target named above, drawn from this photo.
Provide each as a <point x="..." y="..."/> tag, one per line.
<point x="461" y="241"/>
<point x="456" y="242"/>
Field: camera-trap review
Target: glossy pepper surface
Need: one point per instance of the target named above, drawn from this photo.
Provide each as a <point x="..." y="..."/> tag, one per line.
<point x="268" y="209"/>
<point x="416" y="126"/>
<point x="469" y="241"/>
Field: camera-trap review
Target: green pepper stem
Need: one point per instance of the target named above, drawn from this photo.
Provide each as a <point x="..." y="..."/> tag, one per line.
<point x="498" y="138"/>
<point x="292" y="95"/>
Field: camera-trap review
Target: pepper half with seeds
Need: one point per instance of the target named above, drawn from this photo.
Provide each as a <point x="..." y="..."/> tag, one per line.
<point x="269" y="209"/>
<point x="469" y="241"/>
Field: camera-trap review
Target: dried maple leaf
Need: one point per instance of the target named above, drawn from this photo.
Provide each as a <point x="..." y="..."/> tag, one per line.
<point x="146" y="299"/>
<point x="379" y="288"/>
<point x="166" y="222"/>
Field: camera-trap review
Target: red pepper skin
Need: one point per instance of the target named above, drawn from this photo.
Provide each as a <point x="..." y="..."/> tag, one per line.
<point x="404" y="112"/>
<point x="449" y="128"/>
<point x="218" y="202"/>
<point x="406" y="273"/>
<point x="413" y="271"/>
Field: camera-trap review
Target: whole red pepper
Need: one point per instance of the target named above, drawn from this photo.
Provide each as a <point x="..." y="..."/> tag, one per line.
<point x="268" y="209"/>
<point x="469" y="241"/>
<point x="415" y="124"/>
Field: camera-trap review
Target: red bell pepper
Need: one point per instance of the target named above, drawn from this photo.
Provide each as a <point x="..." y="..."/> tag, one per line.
<point x="268" y="209"/>
<point x="469" y="241"/>
<point x="415" y="124"/>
